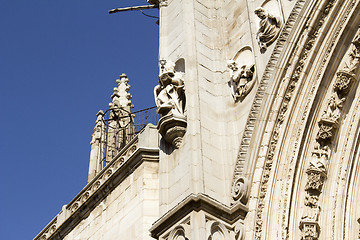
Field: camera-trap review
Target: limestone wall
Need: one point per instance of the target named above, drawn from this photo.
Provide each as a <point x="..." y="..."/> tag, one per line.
<point x="127" y="212"/>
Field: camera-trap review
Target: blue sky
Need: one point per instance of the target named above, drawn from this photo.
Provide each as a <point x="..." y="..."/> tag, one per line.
<point x="58" y="65"/>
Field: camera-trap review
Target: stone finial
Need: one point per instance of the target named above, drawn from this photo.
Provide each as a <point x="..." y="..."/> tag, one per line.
<point x="122" y="92"/>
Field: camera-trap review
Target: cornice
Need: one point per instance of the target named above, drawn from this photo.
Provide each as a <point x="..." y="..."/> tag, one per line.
<point x="198" y="202"/>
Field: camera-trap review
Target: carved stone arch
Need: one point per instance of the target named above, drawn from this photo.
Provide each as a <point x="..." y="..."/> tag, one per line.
<point x="178" y="233"/>
<point x="245" y="55"/>
<point x="286" y="107"/>
<point x="218" y="232"/>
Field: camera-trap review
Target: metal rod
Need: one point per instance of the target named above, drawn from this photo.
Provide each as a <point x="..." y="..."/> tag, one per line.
<point x="132" y="8"/>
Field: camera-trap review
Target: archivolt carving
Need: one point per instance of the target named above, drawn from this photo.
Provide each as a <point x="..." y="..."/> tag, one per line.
<point x="178" y="233"/>
<point x="283" y="109"/>
<point x="328" y="124"/>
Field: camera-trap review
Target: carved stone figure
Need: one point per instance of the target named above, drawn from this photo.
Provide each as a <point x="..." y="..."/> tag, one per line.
<point x="355" y="55"/>
<point x="332" y="112"/>
<point x="320" y="157"/>
<point x="269" y="28"/>
<point x="169" y="94"/>
<point x="329" y="120"/>
<point x="242" y="79"/>
<point x="170" y="100"/>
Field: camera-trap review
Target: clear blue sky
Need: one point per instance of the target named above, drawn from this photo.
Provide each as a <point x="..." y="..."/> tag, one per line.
<point x="58" y="65"/>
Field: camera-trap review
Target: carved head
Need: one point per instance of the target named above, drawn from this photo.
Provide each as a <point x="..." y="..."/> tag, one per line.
<point x="167" y="72"/>
<point x="260" y="12"/>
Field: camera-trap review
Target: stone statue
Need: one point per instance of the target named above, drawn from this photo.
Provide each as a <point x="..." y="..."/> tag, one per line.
<point x="268" y="30"/>
<point x="169" y="94"/>
<point x="355" y="55"/>
<point x="332" y="111"/>
<point x="241" y="79"/>
<point x="170" y="100"/>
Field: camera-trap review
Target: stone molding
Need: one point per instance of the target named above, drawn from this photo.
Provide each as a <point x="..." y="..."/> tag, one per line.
<point x="328" y="126"/>
<point x="315" y="27"/>
<point x="260" y="93"/>
<point x="198" y="202"/>
<point x="124" y="164"/>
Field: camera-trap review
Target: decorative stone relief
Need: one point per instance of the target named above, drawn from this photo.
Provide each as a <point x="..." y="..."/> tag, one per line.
<point x="328" y="124"/>
<point x="242" y="73"/>
<point x="218" y="232"/>
<point x="310" y="230"/>
<point x="240" y="190"/>
<point x="241" y="79"/>
<point x="178" y="233"/>
<point x="269" y="27"/>
<point x="259" y="97"/>
<point x="329" y="119"/>
<point x="170" y="100"/>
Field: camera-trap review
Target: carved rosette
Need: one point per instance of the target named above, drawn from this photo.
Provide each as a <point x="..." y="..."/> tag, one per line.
<point x="310" y="230"/>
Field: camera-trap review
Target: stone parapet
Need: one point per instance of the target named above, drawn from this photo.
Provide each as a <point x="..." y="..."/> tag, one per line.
<point x="140" y="149"/>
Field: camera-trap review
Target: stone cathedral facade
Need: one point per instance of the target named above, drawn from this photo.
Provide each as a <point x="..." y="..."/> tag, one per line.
<point x="258" y="135"/>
